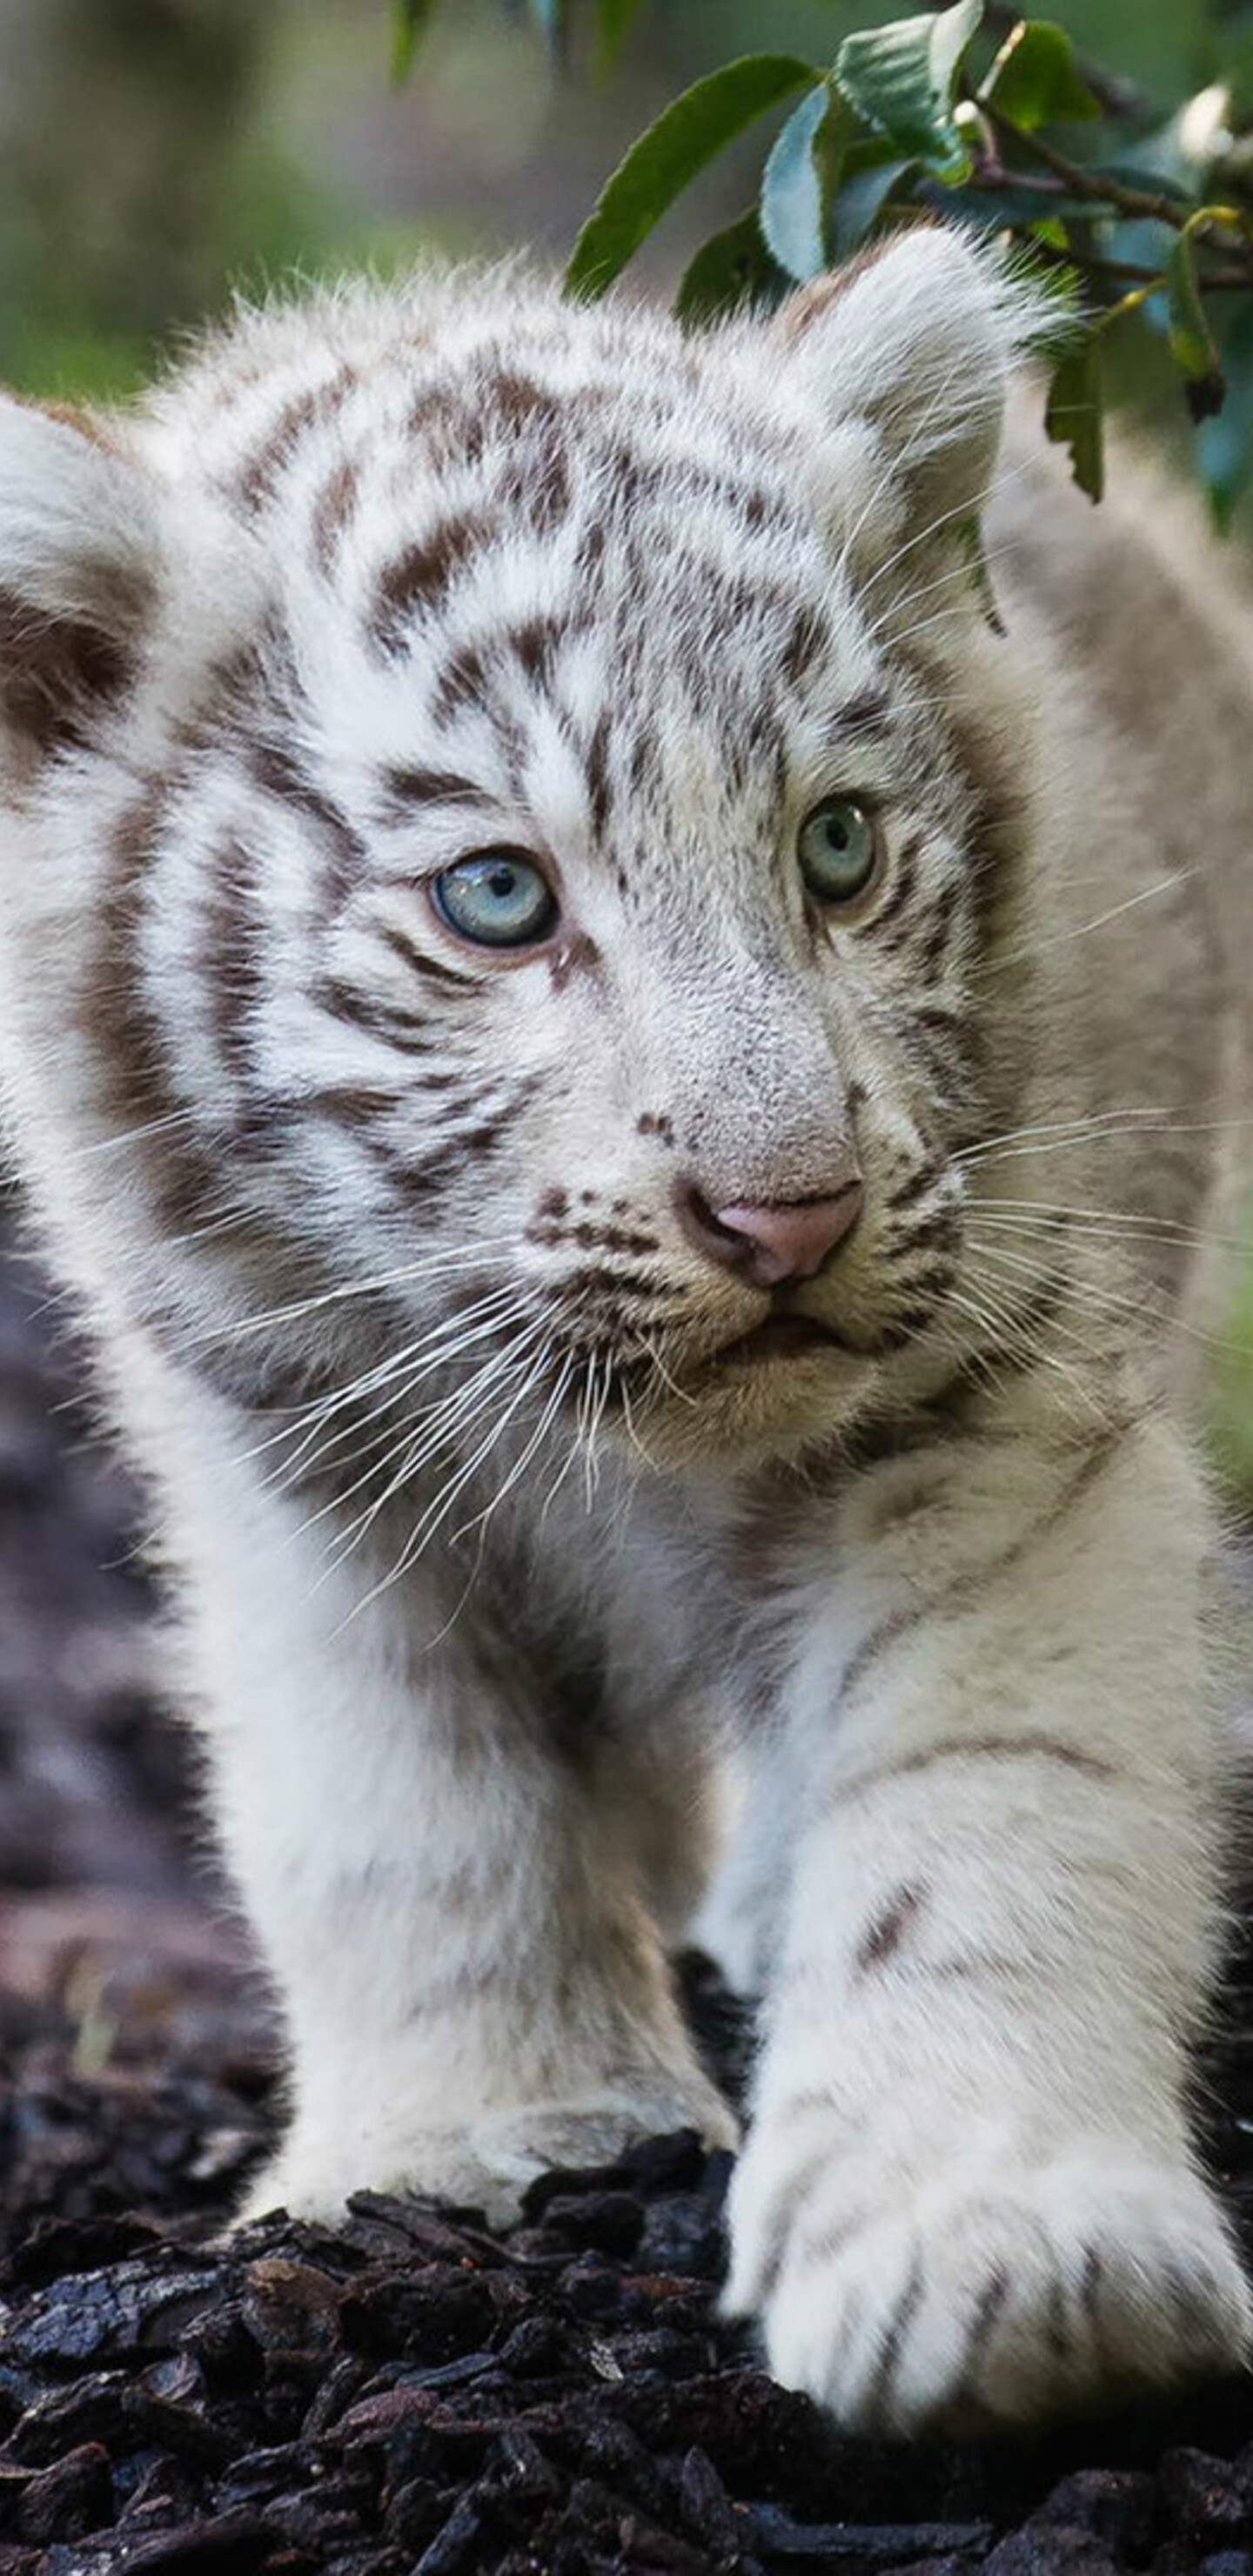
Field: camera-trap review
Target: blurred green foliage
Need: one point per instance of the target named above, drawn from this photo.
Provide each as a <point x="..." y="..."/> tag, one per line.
<point x="1227" y="1352"/>
<point x="1130" y="209"/>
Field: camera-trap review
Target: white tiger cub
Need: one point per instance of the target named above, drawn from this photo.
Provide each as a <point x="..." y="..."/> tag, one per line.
<point x="627" y="1087"/>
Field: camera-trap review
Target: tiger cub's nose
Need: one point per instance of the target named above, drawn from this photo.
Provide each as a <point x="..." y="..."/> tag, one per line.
<point x="767" y="1245"/>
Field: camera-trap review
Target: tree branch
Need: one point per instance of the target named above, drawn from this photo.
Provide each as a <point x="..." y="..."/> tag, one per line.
<point x="1097" y="186"/>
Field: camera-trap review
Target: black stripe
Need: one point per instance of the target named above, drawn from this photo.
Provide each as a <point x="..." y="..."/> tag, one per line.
<point x="935" y="943"/>
<point x="257" y="478"/>
<point x="940" y="1225"/>
<point x="899" y="2323"/>
<point x="462" y="683"/>
<point x="870" y="713"/>
<point x="431" y="969"/>
<point x="422" y="577"/>
<point x="911" y="1189"/>
<point x="903" y="890"/>
<point x="129" y="1042"/>
<point x="397" y="1028"/>
<point x="278" y="773"/>
<point x="405" y="788"/>
<point x="1027" y="1747"/>
<point x="229" y="963"/>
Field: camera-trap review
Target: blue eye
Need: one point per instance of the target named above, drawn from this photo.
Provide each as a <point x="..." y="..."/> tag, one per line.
<point x="838" y="847"/>
<point x="498" y="899"/>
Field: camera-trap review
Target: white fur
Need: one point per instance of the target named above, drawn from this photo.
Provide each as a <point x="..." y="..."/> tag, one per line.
<point x="945" y="1590"/>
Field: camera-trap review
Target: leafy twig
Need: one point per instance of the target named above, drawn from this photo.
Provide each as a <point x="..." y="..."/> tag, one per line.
<point x="1101" y="188"/>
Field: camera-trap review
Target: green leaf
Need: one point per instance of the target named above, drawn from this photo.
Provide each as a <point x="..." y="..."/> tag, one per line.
<point x="614" y="20"/>
<point x="1187" y="329"/>
<point x="1072" y="416"/>
<point x="661" y="162"/>
<point x="903" y="80"/>
<point x="800" y="175"/>
<point x="1138" y="174"/>
<point x="1225" y="441"/>
<point x="1035" y="79"/>
<point x="733" y="269"/>
<point x="872" y="171"/>
<point x="997" y="208"/>
<point x="409" y="23"/>
<point x="1235" y="64"/>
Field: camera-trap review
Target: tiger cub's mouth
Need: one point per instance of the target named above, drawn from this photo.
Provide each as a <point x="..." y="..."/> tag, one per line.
<point x="777" y="1337"/>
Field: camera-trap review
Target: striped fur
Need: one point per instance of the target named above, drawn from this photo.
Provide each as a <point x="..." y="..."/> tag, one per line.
<point x="488" y="1535"/>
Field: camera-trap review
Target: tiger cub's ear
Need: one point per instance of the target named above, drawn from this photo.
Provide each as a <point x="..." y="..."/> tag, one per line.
<point x="80" y="561"/>
<point x="915" y="342"/>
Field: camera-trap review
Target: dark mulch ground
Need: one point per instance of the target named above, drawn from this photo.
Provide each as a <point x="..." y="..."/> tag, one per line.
<point x="411" y="2394"/>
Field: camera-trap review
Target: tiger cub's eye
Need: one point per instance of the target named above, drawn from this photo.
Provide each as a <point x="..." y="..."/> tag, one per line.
<point x="838" y="847"/>
<point x="498" y="898"/>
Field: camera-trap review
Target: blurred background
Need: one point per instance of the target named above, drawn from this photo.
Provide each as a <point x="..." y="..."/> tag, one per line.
<point x="156" y="157"/>
<point x="157" y="154"/>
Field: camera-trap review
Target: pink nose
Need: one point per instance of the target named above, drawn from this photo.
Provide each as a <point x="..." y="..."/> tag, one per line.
<point x="771" y="1244"/>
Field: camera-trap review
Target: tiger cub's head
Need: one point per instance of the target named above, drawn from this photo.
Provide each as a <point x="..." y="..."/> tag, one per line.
<point x="524" y="823"/>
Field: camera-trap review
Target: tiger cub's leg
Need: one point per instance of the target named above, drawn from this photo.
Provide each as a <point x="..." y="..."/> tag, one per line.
<point x="453" y="1912"/>
<point x="969" y="2191"/>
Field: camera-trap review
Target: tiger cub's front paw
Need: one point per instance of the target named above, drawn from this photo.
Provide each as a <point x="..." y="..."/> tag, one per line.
<point x="484" y="2163"/>
<point x="996" y="2292"/>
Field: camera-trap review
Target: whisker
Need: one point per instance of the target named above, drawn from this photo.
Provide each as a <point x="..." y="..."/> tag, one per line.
<point x="1097" y="1293"/>
<point x="449" y="1266"/>
<point x="437" y="1512"/>
<point x="1095" y="1225"/>
<point x="604" y="1385"/>
<point x="420" y="1436"/>
<point x="573" y="1445"/>
<point x="630" y="1426"/>
<point x="1084" y="1123"/>
<point x="668" y="1382"/>
<point x="416" y="1358"/>
<point x="1114" y="1125"/>
<point x="1002" y="478"/>
<point x="481" y="1520"/>
<point x="448" y="1335"/>
<point x="454" y="1417"/>
<point x="213" y="1127"/>
<point x="586" y="1430"/>
<point x="991" y="555"/>
<point x="1009" y="1327"/>
<point x="958" y="608"/>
